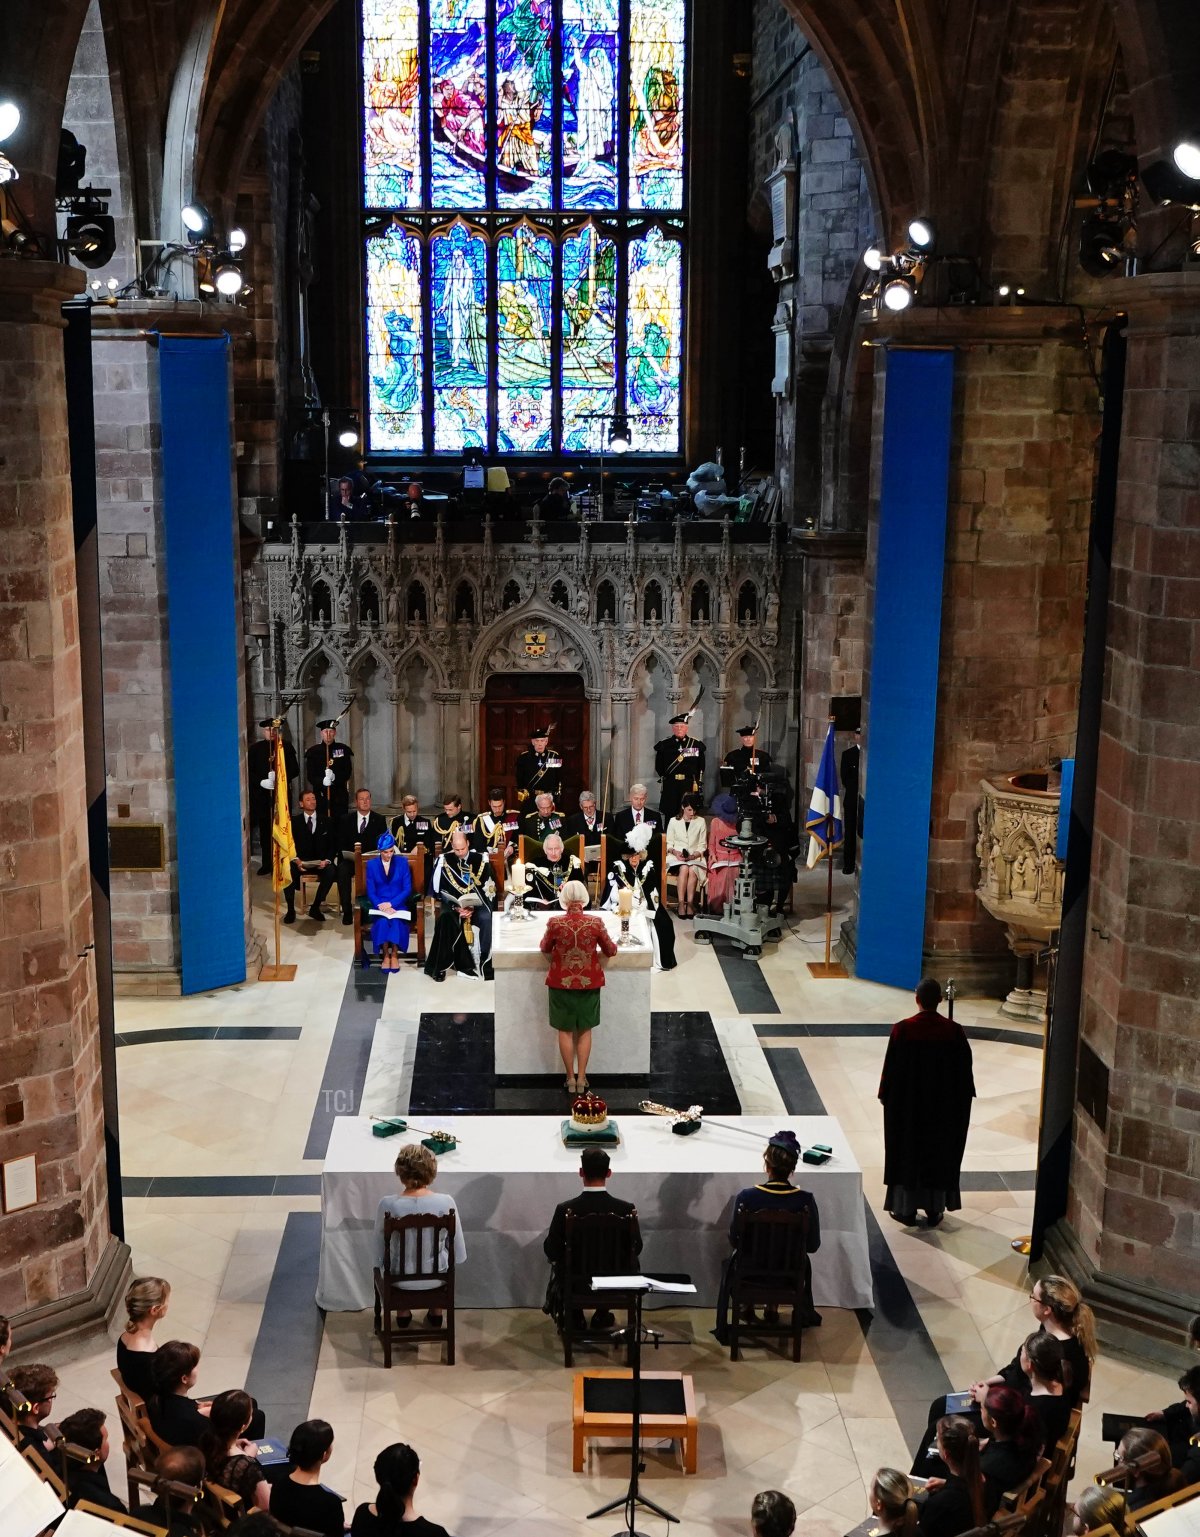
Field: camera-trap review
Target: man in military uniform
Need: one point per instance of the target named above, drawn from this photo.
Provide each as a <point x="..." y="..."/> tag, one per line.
<point x="497" y="827"/>
<point x="362" y="825"/>
<point x="539" y="769"/>
<point x="679" y="764"/>
<point x="411" y="828"/>
<point x="550" y="873"/>
<point x="543" y="819"/>
<point x="462" y="935"/>
<point x="261" y="772"/>
<point x="451" y="816"/>
<point x="744" y="759"/>
<point x="315" y="850"/>
<point x="327" y="769"/>
<point x="636" y="814"/>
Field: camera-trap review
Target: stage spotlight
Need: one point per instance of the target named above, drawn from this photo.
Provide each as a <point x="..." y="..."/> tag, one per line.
<point x="72" y="158"/>
<point x="196" y="220"/>
<point x="348" y="437"/>
<point x="1004" y="290"/>
<point x="1186" y="156"/>
<point x="618" y="436"/>
<point x="898" y="294"/>
<point x="1109" y="174"/>
<point x="922" y="234"/>
<point x="91" y="238"/>
<point x="8" y="171"/>
<point x="10" y="119"/>
<point x="1102" y="247"/>
<point x="873" y="258"/>
<point x="1167" y="184"/>
<point x="237" y="239"/>
<point x="227" y="275"/>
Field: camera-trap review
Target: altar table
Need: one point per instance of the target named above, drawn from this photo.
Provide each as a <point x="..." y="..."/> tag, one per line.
<point x="509" y="1172"/>
<point x="524" y="1040"/>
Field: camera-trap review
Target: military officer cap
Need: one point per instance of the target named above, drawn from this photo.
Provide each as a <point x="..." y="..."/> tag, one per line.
<point x="679" y="720"/>
<point x="747" y="731"/>
<point x="539" y="731"/>
<point x="327" y="725"/>
<point x="270" y="721"/>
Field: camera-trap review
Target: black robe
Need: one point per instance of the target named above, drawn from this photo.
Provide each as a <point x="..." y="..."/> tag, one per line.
<point x="926" y="1089"/>
<point x="644" y="879"/>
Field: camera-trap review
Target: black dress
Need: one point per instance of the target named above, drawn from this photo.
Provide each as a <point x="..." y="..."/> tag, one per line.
<point x="1078" y="1369"/>
<point x="91" y="1484"/>
<point x="1004" y="1466"/>
<point x="176" y="1420"/>
<point x="367" y="1524"/>
<point x="137" y="1369"/>
<point x="946" y="1512"/>
<point x="310" y="1506"/>
<point x="1053" y="1414"/>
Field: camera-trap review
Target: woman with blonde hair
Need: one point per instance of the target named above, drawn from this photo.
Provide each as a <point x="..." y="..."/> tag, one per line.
<point x="1148" y="1457"/>
<point x="1098" y="1506"/>
<point x="416" y="1169"/>
<point x="892" y="1502"/>
<point x="574" y="941"/>
<point x="145" y="1306"/>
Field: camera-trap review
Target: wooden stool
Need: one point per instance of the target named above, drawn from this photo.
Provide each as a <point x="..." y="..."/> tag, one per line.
<point x="656" y="1425"/>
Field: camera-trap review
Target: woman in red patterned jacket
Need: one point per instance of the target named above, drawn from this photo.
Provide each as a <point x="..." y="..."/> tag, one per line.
<point x="574" y="942"/>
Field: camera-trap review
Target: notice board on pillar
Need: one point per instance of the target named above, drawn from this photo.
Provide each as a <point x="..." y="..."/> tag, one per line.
<point x="904" y="667"/>
<point x="202" y="637"/>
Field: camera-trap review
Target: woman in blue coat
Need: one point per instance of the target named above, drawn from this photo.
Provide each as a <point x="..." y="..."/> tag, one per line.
<point x="389" y="891"/>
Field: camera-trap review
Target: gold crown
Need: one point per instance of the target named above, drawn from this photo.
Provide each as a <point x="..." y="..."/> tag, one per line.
<point x="589" y="1110"/>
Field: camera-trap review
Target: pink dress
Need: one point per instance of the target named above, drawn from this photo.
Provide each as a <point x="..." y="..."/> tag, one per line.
<point x="722" y="864"/>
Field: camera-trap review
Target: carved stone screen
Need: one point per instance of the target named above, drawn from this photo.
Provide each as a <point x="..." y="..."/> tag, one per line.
<point x="524" y="188"/>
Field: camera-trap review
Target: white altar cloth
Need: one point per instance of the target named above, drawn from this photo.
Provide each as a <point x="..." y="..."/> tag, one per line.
<point x="524" y="1040"/>
<point x="509" y="1172"/>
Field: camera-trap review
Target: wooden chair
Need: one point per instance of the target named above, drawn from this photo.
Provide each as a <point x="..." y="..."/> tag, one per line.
<point x="1019" y="1499"/>
<point x="362" y="903"/>
<point x="394" y="1289"/>
<point x="12" y="1403"/>
<point x="769" y="1267"/>
<point x="118" y="1518"/>
<point x="1168" y="1502"/>
<point x="45" y="1472"/>
<point x="499" y="873"/>
<point x="594" y="1243"/>
<point x="223" y="1506"/>
<point x="179" y="1499"/>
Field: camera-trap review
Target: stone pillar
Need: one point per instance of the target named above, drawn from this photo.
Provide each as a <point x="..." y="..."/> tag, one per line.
<point x="60" y="1268"/>
<point x="1132" y="1233"/>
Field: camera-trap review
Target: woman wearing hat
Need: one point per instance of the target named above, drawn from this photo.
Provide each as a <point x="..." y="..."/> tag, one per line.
<point x="776" y="1193"/>
<point x="389" y="891"/>
<point x="574" y="941"/>
<point x="722" y="862"/>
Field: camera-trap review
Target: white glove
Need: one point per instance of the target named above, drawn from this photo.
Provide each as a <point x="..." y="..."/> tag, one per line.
<point x="328" y="780"/>
<point x="269" y="782"/>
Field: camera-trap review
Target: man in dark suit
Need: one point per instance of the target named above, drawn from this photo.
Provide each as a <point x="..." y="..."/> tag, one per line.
<point x="313" y="837"/>
<point x="589" y="827"/>
<point x="260" y="770"/>
<point x="594" y="1171"/>
<point x="634" y="815"/>
<point x="362" y="825"/>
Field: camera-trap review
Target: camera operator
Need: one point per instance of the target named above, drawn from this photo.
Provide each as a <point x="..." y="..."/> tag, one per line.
<point x="763" y="797"/>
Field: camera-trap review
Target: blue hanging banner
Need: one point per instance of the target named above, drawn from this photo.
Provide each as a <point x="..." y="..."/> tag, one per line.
<point x="1064" y="808"/>
<point x="902" y="709"/>
<point x="202" y="634"/>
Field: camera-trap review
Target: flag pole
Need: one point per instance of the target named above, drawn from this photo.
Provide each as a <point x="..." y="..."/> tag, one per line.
<point x="828" y="969"/>
<point x="280" y="810"/>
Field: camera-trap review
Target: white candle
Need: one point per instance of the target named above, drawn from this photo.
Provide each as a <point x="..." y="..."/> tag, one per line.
<point x="518" y="876"/>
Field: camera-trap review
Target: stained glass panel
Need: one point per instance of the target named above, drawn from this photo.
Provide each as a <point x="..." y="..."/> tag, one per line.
<point x="395" y="396"/>
<point x="657" y="30"/>
<point x="524" y="326"/>
<point x="524" y="103"/>
<point x="589" y="337"/>
<point x="458" y="278"/>
<point x="590" y="36"/>
<point x="458" y="102"/>
<point x="392" y="90"/>
<point x="654" y="332"/>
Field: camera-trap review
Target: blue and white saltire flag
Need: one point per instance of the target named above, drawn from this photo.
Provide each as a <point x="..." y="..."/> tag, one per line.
<point x="824" y="836"/>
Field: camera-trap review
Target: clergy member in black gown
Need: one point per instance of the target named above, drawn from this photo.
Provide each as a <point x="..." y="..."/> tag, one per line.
<point x="926" y="1091"/>
<point x="633" y="871"/>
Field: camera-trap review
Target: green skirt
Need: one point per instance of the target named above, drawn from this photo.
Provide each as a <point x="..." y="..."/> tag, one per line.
<point x="574" y="1009"/>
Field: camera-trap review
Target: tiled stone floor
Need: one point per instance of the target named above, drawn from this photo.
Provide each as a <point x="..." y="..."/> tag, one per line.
<point x="493" y="1431"/>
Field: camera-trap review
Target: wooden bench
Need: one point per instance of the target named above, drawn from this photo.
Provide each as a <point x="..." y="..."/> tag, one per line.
<point x="655" y="1426"/>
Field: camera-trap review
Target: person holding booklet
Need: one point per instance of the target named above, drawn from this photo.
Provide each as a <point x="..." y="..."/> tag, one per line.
<point x="389" y="891"/>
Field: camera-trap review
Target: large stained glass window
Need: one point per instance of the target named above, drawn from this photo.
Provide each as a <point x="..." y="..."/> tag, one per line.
<point x="526" y="244"/>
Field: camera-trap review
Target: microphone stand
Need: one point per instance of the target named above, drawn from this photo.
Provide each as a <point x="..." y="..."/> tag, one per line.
<point x="632" y="1497"/>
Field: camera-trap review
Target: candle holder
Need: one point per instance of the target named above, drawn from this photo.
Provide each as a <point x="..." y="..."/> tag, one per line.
<point x="517" y="913"/>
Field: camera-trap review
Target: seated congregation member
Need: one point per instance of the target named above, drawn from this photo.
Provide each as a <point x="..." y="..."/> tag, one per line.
<point x="574" y="979"/>
<point x="633" y="870"/>
<point x="175" y="1417"/>
<point x="723" y="863"/>
<point x="545" y="879"/>
<point x="586" y="823"/>
<point x="451" y="816"/>
<point x="1042" y="1362"/>
<point x="390" y="893"/>
<point x="230" y="1459"/>
<point x="256" y="1523"/>
<point x="777" y="1193"/>
<point x="1179" y="1422"/>
<point x="397" y="1472"/>
<point x="772" y="1514"/>
<point x="1098" y="1506"/>
<point x="687" y="854"/>
<point x="38" y="1386"/>
<point x="893" y="1503"/>
<point x="595" y="1172"/>
<point x="495" y="830"/>
<point x="636" y="814"/>
<point x="316" y="849"/>
<point x="362" y="825"/>
<point x="145" y="1306"/>
<point x="182" y="1465"/>
<point x="412" y="829"/>
<point x="1156" y="1477"/>
<point x="462" y="936"/>
<point x="956" y="1500"/>
<point x="6" y="1341"/>
<point x="86" y="1428"/>
<point x="1014" y="1444"/>
<point x="416" y="1169"/>
<point x="543" y="819"/>
<point x="301" y="1499"/>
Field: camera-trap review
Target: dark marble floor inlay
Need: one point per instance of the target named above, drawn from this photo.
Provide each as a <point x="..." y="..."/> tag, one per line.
<point x="454" y="1072"/>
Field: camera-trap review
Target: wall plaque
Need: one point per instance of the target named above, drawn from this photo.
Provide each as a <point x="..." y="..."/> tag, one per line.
<point x="136" y="846"/>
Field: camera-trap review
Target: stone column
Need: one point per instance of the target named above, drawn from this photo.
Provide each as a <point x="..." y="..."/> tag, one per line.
<point x="1132" y="1233"/>
<point x="401" y="736"/>
<point x="61" y="1270"/>
<point x="622" y="768"/>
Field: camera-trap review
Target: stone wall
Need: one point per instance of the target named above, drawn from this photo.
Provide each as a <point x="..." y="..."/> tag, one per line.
<point x="834" y="645"/>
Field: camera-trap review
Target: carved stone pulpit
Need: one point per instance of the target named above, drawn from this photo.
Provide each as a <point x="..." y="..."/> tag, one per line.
<point x="1021" y="878"/>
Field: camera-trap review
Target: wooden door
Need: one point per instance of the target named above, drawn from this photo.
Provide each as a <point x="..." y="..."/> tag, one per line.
<point x="512" y="707"/>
